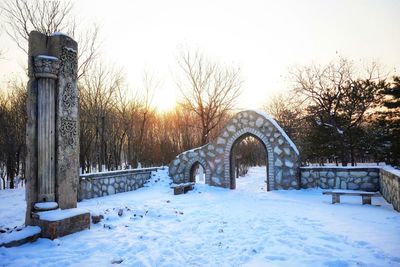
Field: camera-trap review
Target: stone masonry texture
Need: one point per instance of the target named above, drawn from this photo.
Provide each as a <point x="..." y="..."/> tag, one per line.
<point x="390" y="188"/>
<point x="283" y="158"/>
<point x="109" y="183"/>
<point x="365" y="179"/>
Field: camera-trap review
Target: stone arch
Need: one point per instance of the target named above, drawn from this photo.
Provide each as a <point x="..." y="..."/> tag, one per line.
<point x="283" y="156"/>
<point x="191" y="163"/>
<point x="233" y="140"/>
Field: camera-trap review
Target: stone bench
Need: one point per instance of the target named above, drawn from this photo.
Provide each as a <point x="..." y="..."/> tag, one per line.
<point x="182" y="188"/>
<point x="366" y="196"/>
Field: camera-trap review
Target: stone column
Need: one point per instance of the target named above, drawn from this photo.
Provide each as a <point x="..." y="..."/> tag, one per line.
<point x="52" y="130"/>
<point x="46" y="70"/>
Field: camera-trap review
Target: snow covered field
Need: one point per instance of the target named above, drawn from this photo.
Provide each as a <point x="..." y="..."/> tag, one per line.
<point x="211" y="226"/>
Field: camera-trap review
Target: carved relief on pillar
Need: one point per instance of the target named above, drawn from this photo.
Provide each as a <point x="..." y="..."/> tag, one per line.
<point x="46" y="67"/>
<point x="69" y="131"/>
<point x="69" y="98"/>
<point x="69" y="62"/>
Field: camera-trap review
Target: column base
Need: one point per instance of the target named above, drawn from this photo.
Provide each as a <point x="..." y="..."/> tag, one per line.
<point x="45" y="206"/>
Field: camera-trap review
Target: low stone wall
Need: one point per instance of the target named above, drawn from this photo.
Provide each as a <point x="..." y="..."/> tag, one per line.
<point x="353" y="178"/>
<point x="94" y="185"/>
<point x="390" y="187"/>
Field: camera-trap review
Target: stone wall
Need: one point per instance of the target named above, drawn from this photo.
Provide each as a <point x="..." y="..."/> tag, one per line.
<point x="94" y="185"/>
<point x="390" y="187"/>
<point x="353" y="178"/>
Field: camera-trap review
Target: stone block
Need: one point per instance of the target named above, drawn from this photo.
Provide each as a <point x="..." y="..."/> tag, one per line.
<point x="60" y="223"/>
<point x="373" y="174"/>
<point x="353" y="186"/>
<point x="216" y="180"/>
<point x="330" y="174"/>
<point x="358" y="173"/>
<point x="342" y="174"/>
<point x="368" y="187"/>
<point x="277" y="150"/>
<point x="20" y="236"/>
<point x="231" y="128"/>
<point x="210" y="154"/>
<point x="288" y="163"/>
<point x="97" y="218"/>
<point x="259" y="122"/>
<point x="219" y="150"/>
<point x="278" y="163"/>
<point x="110" y="190"/>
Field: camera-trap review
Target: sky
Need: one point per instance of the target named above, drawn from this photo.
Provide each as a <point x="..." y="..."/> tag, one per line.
<point x="264" y="38"/>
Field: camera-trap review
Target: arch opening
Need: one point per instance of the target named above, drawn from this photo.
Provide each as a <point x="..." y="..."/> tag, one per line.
<point x="250" y="151"/>
<point x="197" y="173"/>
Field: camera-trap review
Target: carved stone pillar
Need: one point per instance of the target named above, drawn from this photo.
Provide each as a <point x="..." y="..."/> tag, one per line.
<point x="46" y="71"/>
<point x="52" y="132"/>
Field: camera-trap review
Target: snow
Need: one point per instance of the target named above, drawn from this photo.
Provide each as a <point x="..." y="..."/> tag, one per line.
<point x="349" y="191"/>
<point x="341" y="167"/>
<point x="71" y="49"/>
<point x="46" y="205"/>
<point x="18" y="235"/>
<point x="191" y="150"/>
<point x="271" y="120"/>
<point x="58" y="214"/>
<point x="47" y="57"/>
<point x="181" y="184"/>
<point x="212" y="226"/>
<point x="118" y="171"/>
<point x="59" y="33"/>
<point x="12" y="207"/>
<point x="392" y="170"/>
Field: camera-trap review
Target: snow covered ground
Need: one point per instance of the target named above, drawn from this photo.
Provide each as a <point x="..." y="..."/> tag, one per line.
<point x="212" y="226"/>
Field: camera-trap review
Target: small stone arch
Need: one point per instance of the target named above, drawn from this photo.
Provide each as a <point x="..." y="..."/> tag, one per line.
<point x="283" y="155"/>
<point x="192" y="162"/>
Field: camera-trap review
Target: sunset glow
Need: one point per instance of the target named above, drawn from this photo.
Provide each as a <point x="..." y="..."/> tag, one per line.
<point x="264" y="38"/>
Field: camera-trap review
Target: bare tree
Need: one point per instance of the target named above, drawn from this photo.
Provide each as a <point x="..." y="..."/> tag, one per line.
<point x="97" y="100"/>
<point x="23" y="16"/>
<point x="285" y="109"/>
<point x="209" y="90"/>
<point x="12" y="130"/>
<point x="150" y="85"/>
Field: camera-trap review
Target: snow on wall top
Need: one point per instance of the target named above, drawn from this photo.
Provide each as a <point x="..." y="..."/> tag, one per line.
<point x="57" y="215"/>
<point x="271" y="120"/>
<point x="60" y="33"/>
<point x="19" y="235"/>
<point x="342" y="167"/>
<point x="47" y="57"/>
<point x="392" y="170"/>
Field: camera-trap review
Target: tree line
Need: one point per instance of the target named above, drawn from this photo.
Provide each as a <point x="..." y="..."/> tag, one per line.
<point x="339" y="112"/>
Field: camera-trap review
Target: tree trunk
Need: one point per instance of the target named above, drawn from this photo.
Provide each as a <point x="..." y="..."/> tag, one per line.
<point x="10" y="171"/>
<point x="102" y="144"/>
<point x="4" y="182"/>
<point x="343" y="151"/>
<point x="352" y="158"/>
